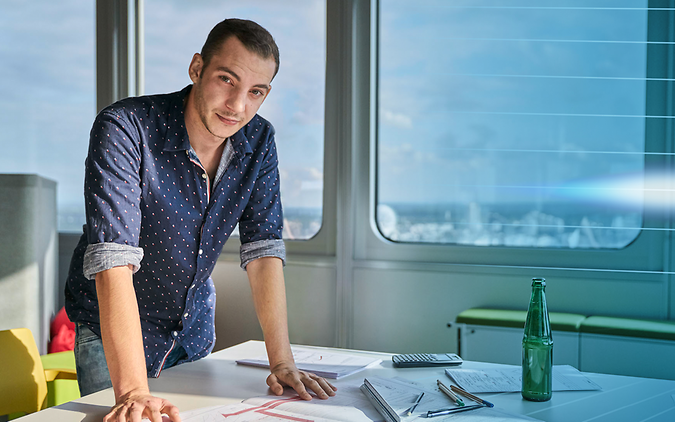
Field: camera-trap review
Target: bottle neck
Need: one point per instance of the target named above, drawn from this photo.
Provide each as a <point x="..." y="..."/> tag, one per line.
<point x="537" y="324"/>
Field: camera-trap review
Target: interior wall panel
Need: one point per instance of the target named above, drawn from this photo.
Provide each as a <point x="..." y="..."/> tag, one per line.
<point x="311" y="303"/>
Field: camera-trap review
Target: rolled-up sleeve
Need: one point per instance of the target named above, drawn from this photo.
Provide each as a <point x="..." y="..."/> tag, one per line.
<point x="261" y="224"/>
<point x="104" y="256"/>
<point x="262" y="248"/>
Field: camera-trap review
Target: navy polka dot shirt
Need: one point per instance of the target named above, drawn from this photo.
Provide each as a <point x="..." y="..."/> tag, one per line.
<point x="150" y="203"/>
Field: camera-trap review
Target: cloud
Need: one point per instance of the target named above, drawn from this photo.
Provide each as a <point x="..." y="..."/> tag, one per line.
<point x="396" y="119"/>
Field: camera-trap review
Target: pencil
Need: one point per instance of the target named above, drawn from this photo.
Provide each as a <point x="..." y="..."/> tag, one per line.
<point x="449" y="393"/>
<point x="414" y="406"/>
<point x="471" y="396"/>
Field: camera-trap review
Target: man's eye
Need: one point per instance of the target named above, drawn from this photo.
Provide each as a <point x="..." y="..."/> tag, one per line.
<point x="257" y="92"/>
<point x="225" y="78"/>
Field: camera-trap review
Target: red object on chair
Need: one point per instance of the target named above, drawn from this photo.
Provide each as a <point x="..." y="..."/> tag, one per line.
<point x="62" y="333"/>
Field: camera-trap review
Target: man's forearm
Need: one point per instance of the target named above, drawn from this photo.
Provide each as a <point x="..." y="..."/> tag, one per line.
<point x="121" y="331"/>
<point x="269" y="297"/>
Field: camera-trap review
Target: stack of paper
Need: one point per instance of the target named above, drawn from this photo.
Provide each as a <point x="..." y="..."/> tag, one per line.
<point x="320" y="363"/>
<point x="392" y="397"/>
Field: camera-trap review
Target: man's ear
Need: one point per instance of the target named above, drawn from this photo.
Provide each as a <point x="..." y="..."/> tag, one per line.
<point x="196" y="67"/>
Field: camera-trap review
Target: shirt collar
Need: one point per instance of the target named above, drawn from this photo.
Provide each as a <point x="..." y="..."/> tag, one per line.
<point x="178" y="137"/>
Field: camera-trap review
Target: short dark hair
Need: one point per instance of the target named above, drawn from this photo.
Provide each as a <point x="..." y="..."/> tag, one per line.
<point x="253" y="36"/>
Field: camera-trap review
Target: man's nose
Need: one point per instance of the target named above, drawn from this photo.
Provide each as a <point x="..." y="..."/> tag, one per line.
<point x="237" y="101"/>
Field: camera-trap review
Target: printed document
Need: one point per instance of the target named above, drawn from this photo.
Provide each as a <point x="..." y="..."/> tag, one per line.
<point x="509" y="379"/>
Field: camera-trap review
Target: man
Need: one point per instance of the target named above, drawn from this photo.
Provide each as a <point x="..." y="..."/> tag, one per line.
<point x="168" y="177"/>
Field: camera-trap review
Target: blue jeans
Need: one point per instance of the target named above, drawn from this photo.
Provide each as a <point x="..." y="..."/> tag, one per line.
<point x="92" y="369"/>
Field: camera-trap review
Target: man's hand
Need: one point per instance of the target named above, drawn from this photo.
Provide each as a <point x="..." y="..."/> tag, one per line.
<point x="288" y="374"/>
<point x="135" y="406"/>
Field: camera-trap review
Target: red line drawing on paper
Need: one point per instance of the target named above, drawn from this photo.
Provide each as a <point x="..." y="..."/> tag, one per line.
<point x="290" y="418"/>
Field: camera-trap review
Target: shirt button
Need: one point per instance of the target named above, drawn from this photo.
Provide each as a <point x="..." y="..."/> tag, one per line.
<point x="186" y="315"/>
<point x="204" y="176"/>
<point x="175" y="333"/>
<point x="201" y="251"/>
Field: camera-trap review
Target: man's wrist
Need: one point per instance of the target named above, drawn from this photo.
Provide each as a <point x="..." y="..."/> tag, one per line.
<point x="140" y="391"/>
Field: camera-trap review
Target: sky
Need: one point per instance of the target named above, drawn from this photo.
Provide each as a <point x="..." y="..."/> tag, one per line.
<point x="478" y="101"/>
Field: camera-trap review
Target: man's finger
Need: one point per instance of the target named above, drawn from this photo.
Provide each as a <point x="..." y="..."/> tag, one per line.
<point x="155" y="415"/>
<point x="172" y="412"/>
<point x="299" y="387"/>
<point x="134" y="413"/>
<point x="326" y="386"/>
<point x="274" y="385"/>
<point x="314" y="385"/>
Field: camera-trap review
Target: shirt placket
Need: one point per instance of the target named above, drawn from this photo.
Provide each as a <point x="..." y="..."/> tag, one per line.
<point x="201" y="255"/>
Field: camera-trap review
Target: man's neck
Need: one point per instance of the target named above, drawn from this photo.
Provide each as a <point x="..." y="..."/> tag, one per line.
<point x="208" y="147"/>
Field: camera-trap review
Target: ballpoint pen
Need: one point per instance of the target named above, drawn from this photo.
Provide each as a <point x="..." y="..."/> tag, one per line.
<point x="441" y="412"/>
<point x="449" y="393"/>
<point x="471" y="396"/>
<point x="412" y="408"/>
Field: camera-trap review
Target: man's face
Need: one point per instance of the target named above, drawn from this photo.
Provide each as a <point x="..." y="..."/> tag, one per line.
<point x="228" y="92"/>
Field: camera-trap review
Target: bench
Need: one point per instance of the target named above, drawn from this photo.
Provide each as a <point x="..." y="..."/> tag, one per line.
<point x="627" y="346"/>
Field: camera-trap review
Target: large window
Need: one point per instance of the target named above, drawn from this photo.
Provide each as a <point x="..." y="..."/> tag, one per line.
<point x="517" y="123"/>
<point x="48" y="96"/>
<point x="175" y="30"/>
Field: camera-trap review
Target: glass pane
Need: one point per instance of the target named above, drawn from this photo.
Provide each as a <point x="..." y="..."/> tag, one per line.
<point x="512" y="123"/>
<point x="48" y="96"/>
<point x="295" y="105"/>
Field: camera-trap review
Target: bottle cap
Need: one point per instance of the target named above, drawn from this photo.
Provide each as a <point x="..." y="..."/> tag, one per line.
<point x="539" y="280"/>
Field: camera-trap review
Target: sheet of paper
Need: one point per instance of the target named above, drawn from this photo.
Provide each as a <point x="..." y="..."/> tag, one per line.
<point x="508" y="379"/>
<point x="349" y="405"/>
<point x="328" y="365"/>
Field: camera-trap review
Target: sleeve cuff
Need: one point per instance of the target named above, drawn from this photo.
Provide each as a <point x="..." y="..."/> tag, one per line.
<point x="262" y="248"/>
<point x="104" y="256"/>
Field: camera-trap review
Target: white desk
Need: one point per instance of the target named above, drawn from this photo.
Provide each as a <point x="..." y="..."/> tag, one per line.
<point x="218" y="380"/>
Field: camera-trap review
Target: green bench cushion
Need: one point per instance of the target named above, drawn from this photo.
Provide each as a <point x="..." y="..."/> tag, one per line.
<point x="516" y="319"/>
<point x="628" y="327"/>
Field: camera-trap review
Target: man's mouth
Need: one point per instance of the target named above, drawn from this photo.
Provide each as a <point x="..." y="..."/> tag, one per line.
<point x="231" y="121"/>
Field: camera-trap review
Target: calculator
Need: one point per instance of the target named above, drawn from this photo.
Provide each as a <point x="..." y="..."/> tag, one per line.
<point x="426" y="359"/>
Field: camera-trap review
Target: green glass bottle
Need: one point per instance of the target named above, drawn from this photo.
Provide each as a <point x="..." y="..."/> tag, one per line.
<point x="537" y="347"/>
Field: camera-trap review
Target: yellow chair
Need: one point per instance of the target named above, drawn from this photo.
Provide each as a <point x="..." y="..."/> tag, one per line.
<point x="23" y="380"/>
